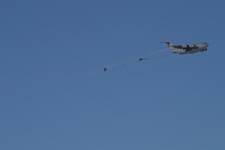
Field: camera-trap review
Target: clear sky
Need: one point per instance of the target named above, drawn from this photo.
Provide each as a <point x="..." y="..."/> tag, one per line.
<point x="54" y="95"/>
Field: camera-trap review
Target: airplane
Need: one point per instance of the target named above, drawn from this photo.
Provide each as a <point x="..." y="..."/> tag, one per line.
<point x="187" y="48"/>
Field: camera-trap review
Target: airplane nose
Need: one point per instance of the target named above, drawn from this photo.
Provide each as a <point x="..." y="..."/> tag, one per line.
<point x="204" y="49"/>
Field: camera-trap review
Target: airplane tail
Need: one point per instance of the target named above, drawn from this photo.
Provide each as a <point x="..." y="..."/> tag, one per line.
<point x="168" y="44"/>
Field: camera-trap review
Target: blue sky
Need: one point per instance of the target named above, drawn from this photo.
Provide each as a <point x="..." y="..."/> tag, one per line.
<point x="54" y="95"/>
